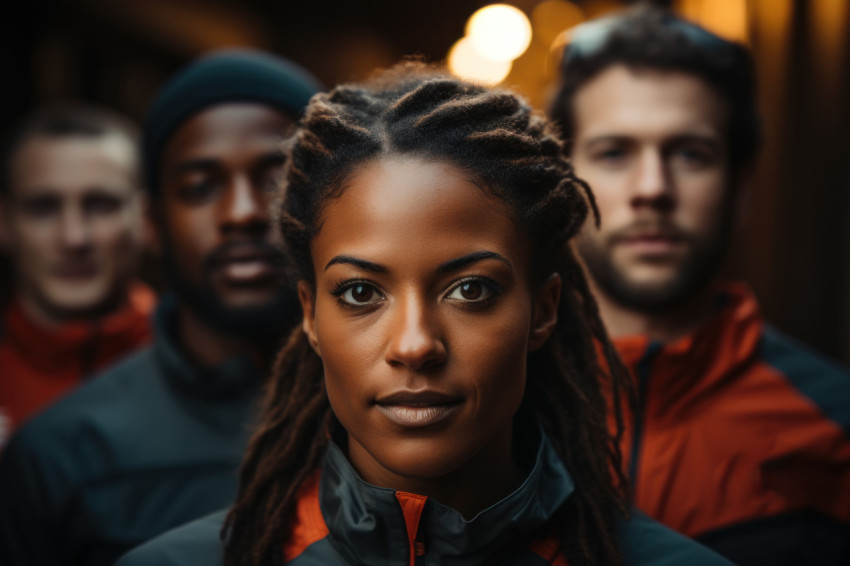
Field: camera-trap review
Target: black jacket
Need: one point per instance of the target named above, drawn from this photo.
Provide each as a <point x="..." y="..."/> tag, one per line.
<point x="343" y="521"/>
<point x="152" y="443"/>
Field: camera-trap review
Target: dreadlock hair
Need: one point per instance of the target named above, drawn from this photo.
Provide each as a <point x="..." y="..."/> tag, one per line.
<point x="494" y="135"/>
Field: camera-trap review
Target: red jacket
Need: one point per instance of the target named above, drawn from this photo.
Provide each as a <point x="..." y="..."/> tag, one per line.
<point x="38" y="364"/>
<point x="736" y="424"/>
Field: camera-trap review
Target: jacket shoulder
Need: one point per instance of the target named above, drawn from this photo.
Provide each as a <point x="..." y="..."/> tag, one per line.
<point x="645" y="542"/>
<point x="99" y="393"/>
<point x="194" y="544"/>
<point x="821" y="380"/>
<point x="67" y="427"/>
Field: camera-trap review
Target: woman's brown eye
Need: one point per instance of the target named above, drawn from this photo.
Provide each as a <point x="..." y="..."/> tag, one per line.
<point x="471" y="290"/>
<point x="361" y="293"/>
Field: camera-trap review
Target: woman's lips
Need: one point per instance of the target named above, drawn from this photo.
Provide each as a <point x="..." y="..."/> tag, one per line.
<point x="418" y="409"/>
<point x="414" y="417"/>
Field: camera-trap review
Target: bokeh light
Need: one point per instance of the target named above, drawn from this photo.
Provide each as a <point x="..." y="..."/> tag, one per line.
<point x="726" y="18"/>
<point x="466" y="62"/>
<point x="551" y="17"/>
<point x="499" y="32"/>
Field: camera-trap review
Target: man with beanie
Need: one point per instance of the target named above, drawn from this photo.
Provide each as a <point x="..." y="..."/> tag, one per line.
<point x="741" y="436"/>
<point x="156" y="440"/>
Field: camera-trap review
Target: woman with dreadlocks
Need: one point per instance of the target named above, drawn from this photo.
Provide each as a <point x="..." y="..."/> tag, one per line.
<point x="442" y="402"/>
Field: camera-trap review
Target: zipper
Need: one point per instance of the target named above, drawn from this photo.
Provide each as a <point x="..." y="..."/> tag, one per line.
<point x="412" y="506"/>
<point x="642" y="370"/>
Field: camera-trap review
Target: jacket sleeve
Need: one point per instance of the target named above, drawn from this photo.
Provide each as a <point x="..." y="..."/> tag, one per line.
<point x="194" y="544"/>
<point x="25" y="508"/>
<point x="645" y="542"/>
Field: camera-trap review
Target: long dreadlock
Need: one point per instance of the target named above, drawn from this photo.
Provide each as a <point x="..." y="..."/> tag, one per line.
<point x="494" y="135"/>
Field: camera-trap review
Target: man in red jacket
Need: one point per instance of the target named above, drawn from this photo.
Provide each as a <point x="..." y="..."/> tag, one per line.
<point x="740" y="435"/>
<point x="72" y="219"/>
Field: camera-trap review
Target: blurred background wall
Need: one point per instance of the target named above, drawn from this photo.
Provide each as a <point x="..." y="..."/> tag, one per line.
<point x="795" y="246"/>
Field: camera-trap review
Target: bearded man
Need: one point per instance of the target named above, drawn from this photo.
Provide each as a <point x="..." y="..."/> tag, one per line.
<point x="741" y="436"/>
<point x="156" y="440"/>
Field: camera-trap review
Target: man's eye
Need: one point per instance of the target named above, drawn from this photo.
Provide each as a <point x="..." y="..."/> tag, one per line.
<point x="41" y="207"/>
<point x="197" y="191"/>
<point x="470" y="291"/>
<point x="691" y="156"/>
<point x="359" y="294"/>
<point x="610" y="155"/>
<point x="102" y="204"/>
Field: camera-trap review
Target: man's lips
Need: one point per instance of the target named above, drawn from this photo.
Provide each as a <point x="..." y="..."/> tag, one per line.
<point x="246" y="266"/>
<point x="75" y="270"/>
<point x="415" y="409"/>
<point x="246" y="270"/>
<point x="651" y="243"/>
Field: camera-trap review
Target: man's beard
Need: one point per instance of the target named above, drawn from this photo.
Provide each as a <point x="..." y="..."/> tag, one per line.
<point x="261" y="322"/>
<point x="693" y="274"/>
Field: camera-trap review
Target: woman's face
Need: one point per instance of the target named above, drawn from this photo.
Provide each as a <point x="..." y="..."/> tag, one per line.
<point x="423" y="315"/>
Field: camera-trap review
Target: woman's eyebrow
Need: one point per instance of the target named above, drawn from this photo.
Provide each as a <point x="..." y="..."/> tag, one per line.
<point x="361" y="263"/>
<point x="463" y="261"/>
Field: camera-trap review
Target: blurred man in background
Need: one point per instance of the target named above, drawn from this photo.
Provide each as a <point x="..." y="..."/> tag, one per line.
<point x="157" y="439"/>
<point x="72" y="220"/>
<point x="740" y="435"/>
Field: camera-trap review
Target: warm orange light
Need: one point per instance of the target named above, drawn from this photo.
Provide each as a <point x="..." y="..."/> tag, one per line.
<point x="726" y="18"/>
<point x="552" y="17"/>
<point x="467" y="63"/>
<point x="499" y="32"/>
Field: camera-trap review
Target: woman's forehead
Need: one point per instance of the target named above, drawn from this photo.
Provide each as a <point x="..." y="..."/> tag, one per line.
<point x="408" y="205"/>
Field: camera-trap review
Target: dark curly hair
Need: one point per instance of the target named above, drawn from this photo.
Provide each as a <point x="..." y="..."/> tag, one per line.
<point x="649" y="37"/>
<point x="496" y="137"/>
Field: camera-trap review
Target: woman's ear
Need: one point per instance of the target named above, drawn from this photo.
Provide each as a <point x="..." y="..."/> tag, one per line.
<point x="308" y="307"/>
<point x="545" y="315"/>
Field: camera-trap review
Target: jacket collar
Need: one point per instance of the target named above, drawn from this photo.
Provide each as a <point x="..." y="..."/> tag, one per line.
<point x="236" y="376"/>
<point x="370" y="525"/>
<point x="683" y="372"/>
<point x="80" y="346"/>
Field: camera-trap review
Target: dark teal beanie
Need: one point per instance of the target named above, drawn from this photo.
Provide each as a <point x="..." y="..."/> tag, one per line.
<point x="238" y="75"/>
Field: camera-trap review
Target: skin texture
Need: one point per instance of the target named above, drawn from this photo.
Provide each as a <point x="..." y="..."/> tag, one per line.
<point x="218" y="173"/>
<point x="74" y="224"/>
<point x="652" y="146"/>
<point x="404" y="324"/>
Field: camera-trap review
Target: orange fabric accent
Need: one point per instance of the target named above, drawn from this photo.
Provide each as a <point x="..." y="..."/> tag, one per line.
<point x="308" y="525"/>
<point x="547" y="548"/>
<point x="412" y="506"/>
<point x="41" y="364"/>
<point x="727" y="438"/>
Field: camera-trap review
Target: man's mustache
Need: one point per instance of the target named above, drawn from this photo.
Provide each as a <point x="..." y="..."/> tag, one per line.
<point x="654" y="228"/>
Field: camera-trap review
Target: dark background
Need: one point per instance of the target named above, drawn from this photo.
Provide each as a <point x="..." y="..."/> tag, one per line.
<point x="794" y="246"/>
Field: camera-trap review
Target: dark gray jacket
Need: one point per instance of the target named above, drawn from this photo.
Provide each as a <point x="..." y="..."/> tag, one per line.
<point x="364" y="525"/>
<point x="152" y="443"/>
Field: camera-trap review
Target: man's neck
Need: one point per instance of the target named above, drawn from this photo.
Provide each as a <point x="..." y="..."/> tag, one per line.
<point x="209" y="347"/>
<point x="663" y="325"/>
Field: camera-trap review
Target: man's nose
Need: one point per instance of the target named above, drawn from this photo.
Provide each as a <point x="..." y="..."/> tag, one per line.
<point x="74" y="229"/>
<point x="652" y="185"/>
<point x="245" y="207"/>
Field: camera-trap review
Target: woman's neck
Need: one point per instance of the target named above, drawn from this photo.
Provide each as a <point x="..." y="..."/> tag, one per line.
<point x="486" y="478"/>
